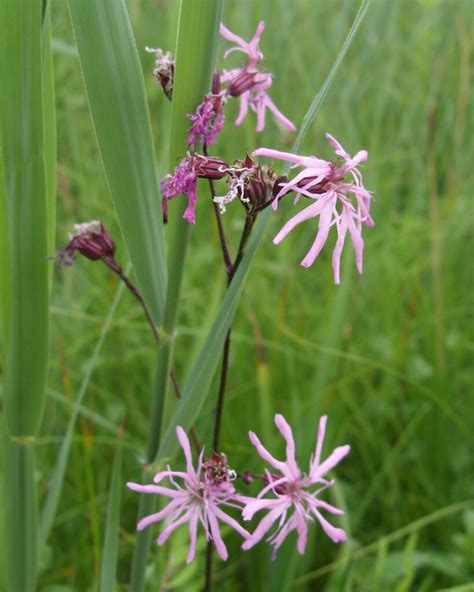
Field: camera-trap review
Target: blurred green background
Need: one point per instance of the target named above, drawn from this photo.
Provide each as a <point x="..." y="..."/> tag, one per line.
<point x="387" y="355"/>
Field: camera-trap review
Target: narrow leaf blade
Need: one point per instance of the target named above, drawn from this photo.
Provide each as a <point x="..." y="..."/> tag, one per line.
<point x="116" y="94"/>
<point x="110" y="553"/>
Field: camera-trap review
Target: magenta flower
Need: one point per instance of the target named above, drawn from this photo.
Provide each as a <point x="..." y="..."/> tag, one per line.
<point x="184" y="181"/>
<point x="324" y="182"/>
<point x="198" y="499"/>
<point x="249" y="83"/>
<point x="208" y="121"/>
<point x="293" y="504"/>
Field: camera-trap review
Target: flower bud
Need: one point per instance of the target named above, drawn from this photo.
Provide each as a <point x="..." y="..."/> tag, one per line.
<point x="210" y="167"/>
<point x="246" y="477"/>
<point x="91" y="240"/>
<point x="216" y="83"/>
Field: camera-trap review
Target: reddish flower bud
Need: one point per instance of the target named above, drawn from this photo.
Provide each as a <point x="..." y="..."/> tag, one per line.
<point x="210" y="167"/>
<point x="246" y="477"/>
<point x="91" y="240"/>
<point x="216" y="83"/>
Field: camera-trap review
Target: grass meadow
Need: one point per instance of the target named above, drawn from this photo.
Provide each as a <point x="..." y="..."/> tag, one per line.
<point x="388" y="355"/>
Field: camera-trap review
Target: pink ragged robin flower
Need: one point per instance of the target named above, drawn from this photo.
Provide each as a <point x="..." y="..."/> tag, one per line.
<point x="249" y="83"/>
<point x="197" y="499"/>
<point x="336" y="201"/>
<point x="294" y="502"/>
<point x="208" y="121"/>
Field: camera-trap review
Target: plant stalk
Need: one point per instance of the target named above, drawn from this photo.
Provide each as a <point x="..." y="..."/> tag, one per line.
<point x="249" y="222"/>
<point x="197" y="32"/>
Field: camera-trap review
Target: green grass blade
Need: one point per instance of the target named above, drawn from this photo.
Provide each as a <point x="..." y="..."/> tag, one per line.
<point x="26" y="204"/>
<point x="108" y="571"/>
<point x="49" y="107"/>
<point x="116" y="94"/>
<point x="4" y="252"/>
<point x="57" y="478"/>
<point x="200" y="378"/>
<point x="21" y="547"/>
<point x="197" y="33"/>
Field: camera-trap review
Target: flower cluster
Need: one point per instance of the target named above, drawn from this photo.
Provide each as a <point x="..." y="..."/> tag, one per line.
<point x="247" y="181"/>
<point x="335" y="188"/>
<point x="208" y="121"/>
<point x="290" y="498"/>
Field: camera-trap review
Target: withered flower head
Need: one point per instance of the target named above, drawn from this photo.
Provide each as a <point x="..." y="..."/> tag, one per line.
<point x="163" y="70"/>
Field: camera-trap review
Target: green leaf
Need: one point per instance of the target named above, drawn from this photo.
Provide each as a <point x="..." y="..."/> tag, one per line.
<point x="200" y="378"/>
<point x="4" y="253"/>
<point x="21" y="545"/>
<point x="49" y="107"/>
<point x="26" y="288"/>
<point x="24" y="205"/>
<point x="116" y="94"/>
<point x="110" y="553"/>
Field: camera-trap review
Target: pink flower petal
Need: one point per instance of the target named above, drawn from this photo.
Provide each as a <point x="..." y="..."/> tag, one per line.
<point x="302" y="529"/>
<point x="169" y="473"/>
<point x="311" y="211"/>
<point x="264" y="525"/>
<point x="244" y="107"/>
<point x="321" y="238"/>
<point x="156" y="489"/>
<point x="193" y="522"/>
<point x="285" y="430"/>
<point x="319" y="443"/>
<point x="333" y="459"/>
<point x="305" y="161"/>
<point x="164" y="513"/>
<point x="263" y="452"/>
<point x="254" y="53"/>
<point x="261" y="105"/>
<point x="173" y="526"/>
<point x="329" y="508"/>
<point x="223" y="517"/>
<point x="256" y="505"/>
<point x="184" y="442"/>
<point x="337" y="535"/>
<point x="336" y="254"/>
<point x="284" y="121"/>
<point x="232" y="37"/>
<point x="337" y="147"/>
<point x="216" y="535"/>
<point x="357" y="240"/>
